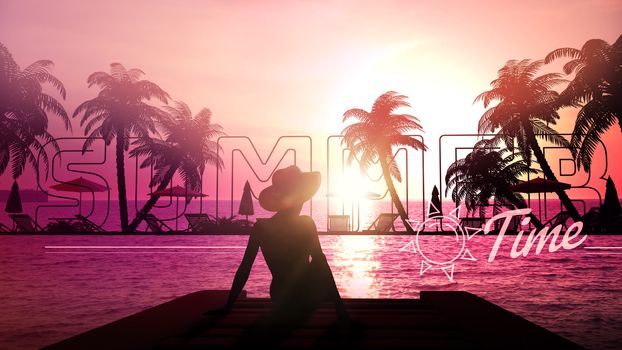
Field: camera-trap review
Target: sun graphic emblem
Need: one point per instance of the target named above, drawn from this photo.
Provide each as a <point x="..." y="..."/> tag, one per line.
<point x="442" y="250"/>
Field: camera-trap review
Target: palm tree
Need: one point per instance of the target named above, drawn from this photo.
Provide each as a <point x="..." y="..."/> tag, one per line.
<point x="596" y="89"/>
<point x="526" y="106"/>
<point x="120" y="111"/>
<point x="486" y="173"/>
<point x="187" y="147"/>
<point x="24" y="109"/>
<point x="375" y="134"/>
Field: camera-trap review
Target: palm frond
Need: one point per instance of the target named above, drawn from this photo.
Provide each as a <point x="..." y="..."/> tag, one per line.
<point x="147" y="90"/>
<point x="572" y="66"/>
<point x="50" y="104"/>
<point x="409" y="141"/>
<point x="356" y="113"/>
<point x="394" y="169"/>
<point x="134" y="74"/>
<point x="562" y="52"/>
<point x="45" y="77"/>
<point x="102" y="79"/>
<point x="549" y="134"/>
<point x="118" y="72"/>
<point x="592" y="121"/>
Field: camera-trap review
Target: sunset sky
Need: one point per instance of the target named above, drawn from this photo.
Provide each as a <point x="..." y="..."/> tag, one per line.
<point x="269" y="68"/>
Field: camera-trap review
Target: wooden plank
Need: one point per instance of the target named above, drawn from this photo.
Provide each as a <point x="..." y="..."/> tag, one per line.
<point x="439" y="320"/>
<point x="491" y="326"/>
<point x="372" y="333"/>
<point x="142" y="330"/>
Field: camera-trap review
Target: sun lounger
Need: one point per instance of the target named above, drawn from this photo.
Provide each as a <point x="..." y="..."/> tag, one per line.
<point x="383" y="223"/>
<point x="474" y="222"/>
<point x="196" y="221"/>
<point x="24" y="223"/>
<point x="4" y="228"/>
<point x="560" y="219"/>
<point x="156" y="225"/>
<point x="89" y="226"/>
<point x="338" y="223"/>
<point x="513" y="226"/>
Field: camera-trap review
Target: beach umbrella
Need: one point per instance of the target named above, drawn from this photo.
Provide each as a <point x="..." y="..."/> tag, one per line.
<point x="435" y="209"/>
<point x="14" y="202"/>
<point x="540" y="185"/>
<point x="246" y="203"/>
<point x="80" y="185"/>
<point x="611" y="204"/>
<point x="177" y="192"/>
<point x="611" y="211"/>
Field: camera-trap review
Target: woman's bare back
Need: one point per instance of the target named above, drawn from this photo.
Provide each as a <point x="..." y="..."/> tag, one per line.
<point x="288" y="244"/>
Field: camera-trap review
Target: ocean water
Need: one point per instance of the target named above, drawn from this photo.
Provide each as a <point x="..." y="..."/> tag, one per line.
<point x="53" y="287"/>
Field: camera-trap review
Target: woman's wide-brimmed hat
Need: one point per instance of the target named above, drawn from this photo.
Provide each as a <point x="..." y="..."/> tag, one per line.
<point x="290" y="187"/>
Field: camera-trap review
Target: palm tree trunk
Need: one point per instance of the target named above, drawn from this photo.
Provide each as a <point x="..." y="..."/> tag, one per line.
<point x="537" y="151"/>
<point x="122" y="190"/>
<point x="518" y="203"/>
<point x="394" y="197"/>
<point x="153" y="199"/>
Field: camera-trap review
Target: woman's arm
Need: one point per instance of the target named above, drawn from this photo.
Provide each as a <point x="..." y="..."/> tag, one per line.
<point x="241" y="276"/>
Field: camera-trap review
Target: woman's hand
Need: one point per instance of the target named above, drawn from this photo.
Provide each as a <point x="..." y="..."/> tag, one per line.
<point x="347" y="327"/>
<point x="220" y="312"/>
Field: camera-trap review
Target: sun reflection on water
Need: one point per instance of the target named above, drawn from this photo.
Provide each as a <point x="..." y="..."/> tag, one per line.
<point x="354" y="266"/>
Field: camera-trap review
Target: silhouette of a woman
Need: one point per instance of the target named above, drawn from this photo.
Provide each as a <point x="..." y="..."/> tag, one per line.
<point x="301" y="276"/>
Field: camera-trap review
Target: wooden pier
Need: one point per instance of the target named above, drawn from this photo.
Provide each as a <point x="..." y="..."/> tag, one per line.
<point x="438" y="320"/>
